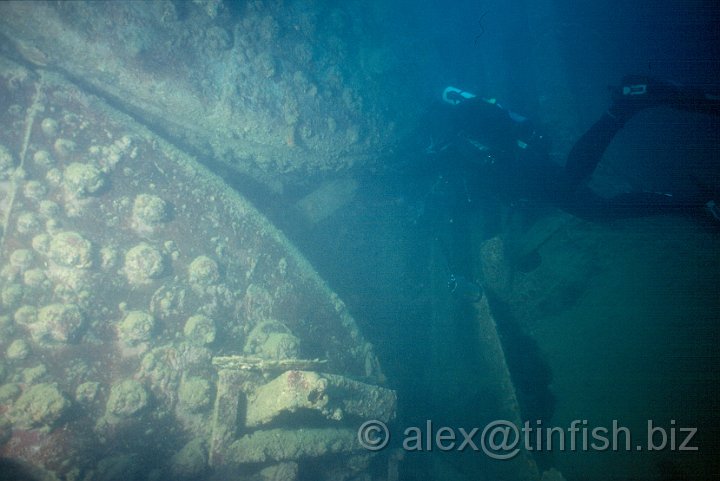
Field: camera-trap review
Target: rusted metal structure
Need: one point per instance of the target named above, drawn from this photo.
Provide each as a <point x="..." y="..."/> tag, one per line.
<point x="128" y="270"/>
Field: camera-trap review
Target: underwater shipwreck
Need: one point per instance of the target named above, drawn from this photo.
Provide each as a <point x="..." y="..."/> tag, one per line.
<point x="151" y="316"/>
<point x="155" y="321"/>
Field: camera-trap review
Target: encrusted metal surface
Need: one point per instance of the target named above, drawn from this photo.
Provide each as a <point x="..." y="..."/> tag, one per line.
<point x="124" y="268"/>
<point x="334" y="397"/>
<point x="273" y="90"/>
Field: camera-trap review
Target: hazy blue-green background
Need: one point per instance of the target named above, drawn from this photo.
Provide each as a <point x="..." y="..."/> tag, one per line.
<point x="631" y="332"/>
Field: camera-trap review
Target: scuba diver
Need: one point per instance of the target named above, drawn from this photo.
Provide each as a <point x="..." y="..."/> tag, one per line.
<point x="515" y="155"/>
<point x="506" y="149"/>
<point x="490" y="171"/>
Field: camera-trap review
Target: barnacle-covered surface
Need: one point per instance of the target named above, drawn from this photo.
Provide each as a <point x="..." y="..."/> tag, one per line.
<point x="270" y="88"/>
<point x="125" y="267"/>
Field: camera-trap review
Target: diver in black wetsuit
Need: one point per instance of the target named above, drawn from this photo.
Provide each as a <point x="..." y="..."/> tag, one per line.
<point x="515" y="155"/>
<point x="500" y="153"/>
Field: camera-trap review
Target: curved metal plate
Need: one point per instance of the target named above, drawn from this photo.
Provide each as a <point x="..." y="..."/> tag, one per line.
<point x="125" y="268"/>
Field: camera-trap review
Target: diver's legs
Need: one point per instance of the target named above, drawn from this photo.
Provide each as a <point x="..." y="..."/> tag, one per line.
<point x="636" y="93"/>
<point x="588" y="150"/>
